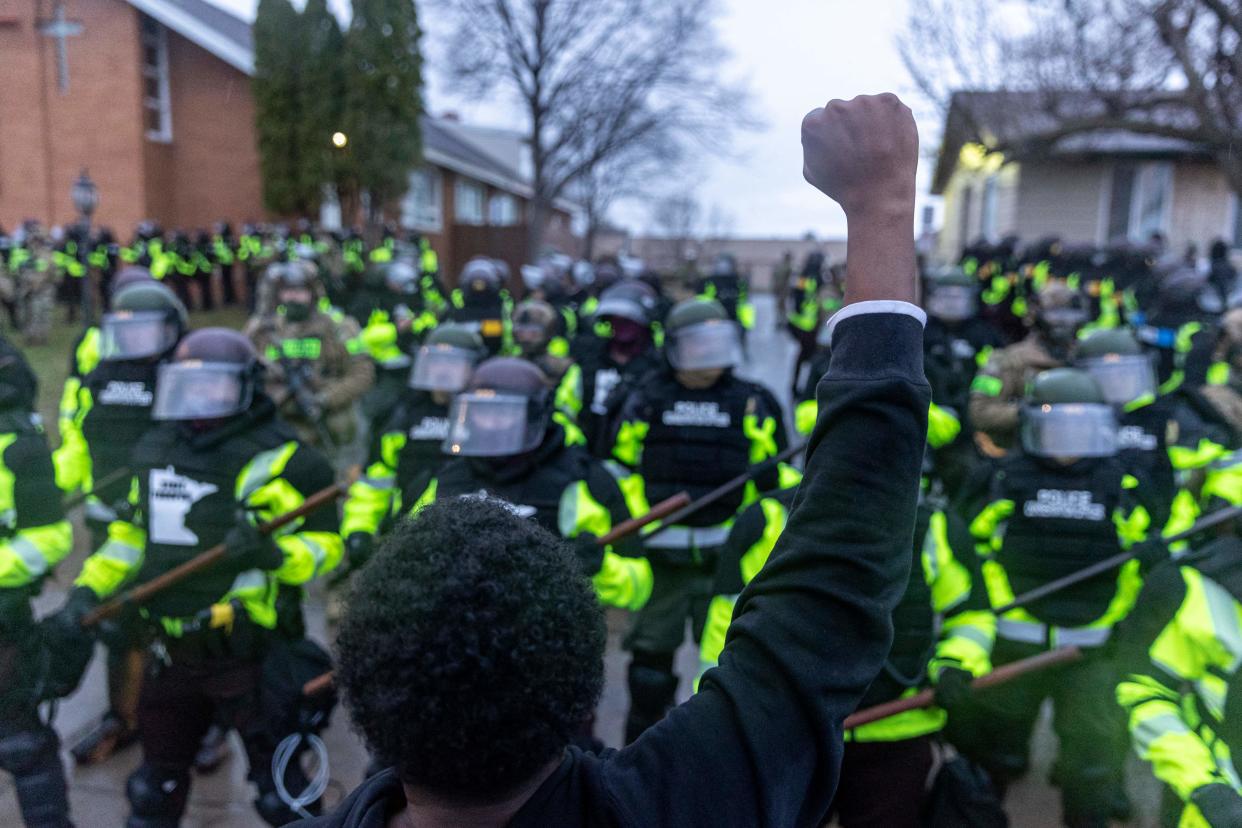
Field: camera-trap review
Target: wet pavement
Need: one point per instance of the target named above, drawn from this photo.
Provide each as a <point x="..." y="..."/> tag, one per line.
<point x="222" y="799"/>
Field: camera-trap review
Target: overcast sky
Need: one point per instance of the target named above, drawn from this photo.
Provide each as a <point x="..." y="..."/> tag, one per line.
<point x="796" y="54"/>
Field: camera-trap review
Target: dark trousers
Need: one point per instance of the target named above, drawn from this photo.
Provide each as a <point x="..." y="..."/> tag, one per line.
<point x="883" y="784"/>
<point x="679" y="591"/>
<point x="30" y="751"/>
<point x="995" y="731"/>
<point x="181" y="701"/>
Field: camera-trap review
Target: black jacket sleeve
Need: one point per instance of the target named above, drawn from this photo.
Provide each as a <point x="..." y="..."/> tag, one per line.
<point x="603" y="487"/>
<point x="36" y="500"/>
<point x="761" y="743"/>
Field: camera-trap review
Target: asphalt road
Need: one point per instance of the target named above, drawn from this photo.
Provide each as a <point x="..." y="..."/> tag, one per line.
<point x="222" y="799"/>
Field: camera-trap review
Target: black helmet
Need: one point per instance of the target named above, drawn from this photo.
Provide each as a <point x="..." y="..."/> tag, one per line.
<point x="724" y="266"/>
<point x="18" y="386"/>
<point x="447" y="359"/>
<point x="631" y="299"/>
<point x="951" y="294"/>
<point x="481" y="276"/>
<point x="606" y="274"/>
<point x="534" y="326"/>
<point x="503" y="412"/>
<point x="699" y="335"/>
<point x="146" y="320"/>
<point x="215" y="373"/>
<point x="1067" y="416"/>
<point x="1114" y="358"/>
<point x="130" y="275"/>
<point x="294" y="276"/>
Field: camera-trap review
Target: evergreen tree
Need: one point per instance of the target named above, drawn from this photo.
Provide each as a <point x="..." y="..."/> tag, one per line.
<point x="383" y="77"/>
<point x="321" y="105"/>
<point x="275" y="88"/>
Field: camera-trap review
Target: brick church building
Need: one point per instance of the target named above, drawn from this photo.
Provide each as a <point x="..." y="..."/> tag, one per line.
<point x="152" y="97"/>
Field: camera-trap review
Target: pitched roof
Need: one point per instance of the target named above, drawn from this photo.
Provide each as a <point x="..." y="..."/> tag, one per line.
<point x="1017" y="120"/>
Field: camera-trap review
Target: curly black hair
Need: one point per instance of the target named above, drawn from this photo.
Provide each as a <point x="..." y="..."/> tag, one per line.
<point x="471" y="649"/>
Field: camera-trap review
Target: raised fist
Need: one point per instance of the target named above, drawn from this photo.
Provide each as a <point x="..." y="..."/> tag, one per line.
<point x="863" y="153"/>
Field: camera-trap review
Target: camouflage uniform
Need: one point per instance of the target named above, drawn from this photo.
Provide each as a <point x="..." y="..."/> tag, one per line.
<point x="338" y="371"/>
<point x="35" y="285"/>
<point x="997" y="392"/>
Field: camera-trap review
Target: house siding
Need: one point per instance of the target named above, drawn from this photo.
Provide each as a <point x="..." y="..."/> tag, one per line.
<point x="1202" y="206"/>
<point x="1061" y="199"/>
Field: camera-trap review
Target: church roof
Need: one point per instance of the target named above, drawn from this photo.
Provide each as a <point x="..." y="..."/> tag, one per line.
<point x="220" y="32"/>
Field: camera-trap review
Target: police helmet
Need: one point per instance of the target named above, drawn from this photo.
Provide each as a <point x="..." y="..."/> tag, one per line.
<point x="146" y="320"/>
<point x="700" y="336"/>
<point x="1067" y="416"/>
<point x="445" y="361"/>
<point x="504" y="411"/>
<point x="214" y="373"/>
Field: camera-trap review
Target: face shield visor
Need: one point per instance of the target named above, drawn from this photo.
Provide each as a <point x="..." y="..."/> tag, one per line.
<point x="136" y="334"/>
<point x="194" y="390"/>
<point x="487" y="424"/>
<point x="952" y="303"/>
<point x="531" y="337"/>
<point x="1062" y="324"/>
<point x="1069" y="430"/>
<point x="705" y="346"/>
<point x="620" y="307"/>
<point x="1123" y="379"/>
<point x="442" y="368"/>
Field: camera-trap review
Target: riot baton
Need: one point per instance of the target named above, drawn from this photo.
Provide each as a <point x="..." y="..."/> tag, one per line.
<point x="1001" y="675"/>
<point x="205" y="560"/>
<point x="114" y="476"/>
<point x="1100" y="567"/>
<point x="624" y="529"/>
<point x="726" y="489"/>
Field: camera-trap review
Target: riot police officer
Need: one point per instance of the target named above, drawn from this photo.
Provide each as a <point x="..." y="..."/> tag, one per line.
<point x="217" y="463"/>
<point x="1062" y="503"/>
<point x="36" y="537"/>
<point x="1057" y="314"/>
<point x="111" y="411"/>
<point x="482" y="302"/>
<point x="957" y="341"/>
<point x="726" y="285"/>
<point x="610" y="359"/>
<point x="690" y="427"/>
<point x="505" y="442"/>
<point x="407" y="452"/>
<point x="316" y="365"/>
<point x="539" y="335"/>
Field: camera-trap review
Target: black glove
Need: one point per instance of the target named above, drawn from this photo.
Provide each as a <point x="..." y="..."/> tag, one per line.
<point x="69" y="644"/>
<point x="589" y="552"/>
<point x="361" y="547"/>
<point x="248" y="548"/>
<point x="1151" y="553"/>
<point x="953" y="688"/>
<point x="1220" y="805"/>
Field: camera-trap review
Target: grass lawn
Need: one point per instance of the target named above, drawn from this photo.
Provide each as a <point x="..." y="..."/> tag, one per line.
<point x="51" y="362"/>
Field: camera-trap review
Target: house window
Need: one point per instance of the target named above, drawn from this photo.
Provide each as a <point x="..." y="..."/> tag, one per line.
<point x="156" y="101"/>
<point x="1140" y="198"/>
<point x="502" y="210"/>
<point x="422" y="209"/>
<point x="987" y="219"/>
<point x="468" y="200"/>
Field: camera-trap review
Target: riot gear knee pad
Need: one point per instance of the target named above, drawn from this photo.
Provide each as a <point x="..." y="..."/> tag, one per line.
<point x="32" y="757"/>
<point x="25" y="749"/>
<point x="157" y="797"/>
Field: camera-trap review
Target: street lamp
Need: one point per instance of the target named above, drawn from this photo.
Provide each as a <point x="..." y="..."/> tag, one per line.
<point x="85" y="197"/>
<point x="339" y="140"/>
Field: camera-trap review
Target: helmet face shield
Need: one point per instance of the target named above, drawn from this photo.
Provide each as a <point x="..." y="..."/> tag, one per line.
<point x="1069" y="430"/>
<point x="1122" y="378"/>
<point x="486" y="424"/>
<point x="705" y="346"/>
<point x="442" y="368"/>
<point x="194" y="390"/>
<point x="136" y="334"/>
<point x="952" y="303"/>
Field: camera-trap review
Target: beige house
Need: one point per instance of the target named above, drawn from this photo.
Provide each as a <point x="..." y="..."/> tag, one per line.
<point x="1093" y="188"/>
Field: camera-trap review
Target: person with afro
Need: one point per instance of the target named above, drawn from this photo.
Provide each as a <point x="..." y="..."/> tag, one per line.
<point x="472" y="646"/>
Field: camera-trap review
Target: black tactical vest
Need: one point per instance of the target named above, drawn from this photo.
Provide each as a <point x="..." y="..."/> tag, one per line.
<point x="1142" y="444"/>
<point x="1062" y="521"/>
<point x="188" y="504"/>
<point x="122" y="394"/>
<point x="425" y="424"/>
<point x="486" y="315"/>
<point x="696" y="442"/>
<point x="534" y="492"/>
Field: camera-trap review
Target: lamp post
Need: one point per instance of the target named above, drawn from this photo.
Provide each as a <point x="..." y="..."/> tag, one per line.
<point x="85" y="197"/>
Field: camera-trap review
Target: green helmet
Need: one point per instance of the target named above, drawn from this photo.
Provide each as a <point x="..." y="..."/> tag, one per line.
<point x="700" y="336"/>
<point x="1067" y="417"/>
<point x="1117" y="341"/>
<point x="1116" y="361"/>
<point x="693" y="311"/>
<point x="1064" y="385"/>
<point x="146" y="320"/>
<point x="952" y="296"/>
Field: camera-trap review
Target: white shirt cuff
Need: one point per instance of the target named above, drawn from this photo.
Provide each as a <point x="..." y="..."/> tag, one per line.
<point x="875" y="306"/>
